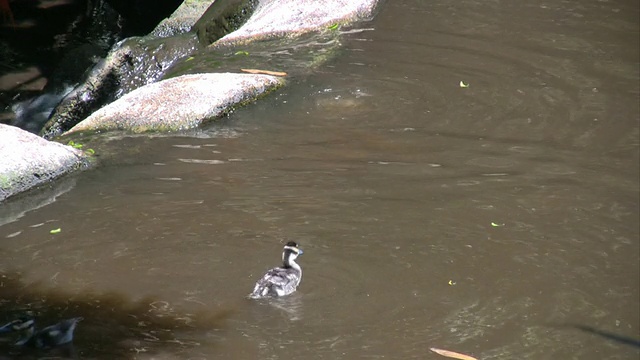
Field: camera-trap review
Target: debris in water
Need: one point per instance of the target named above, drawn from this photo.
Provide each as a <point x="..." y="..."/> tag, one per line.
<point x="452" y="354"/>
<point x="242" y="52"/>
<point x="464" y="84"/>
<point x="496" y="224"/>
<point x="75" y="145"/>
<point x="333" y="27"/>
<point x="451" y="282"/>
<point x="266" y="72"/>
<point x="55" y="231"/>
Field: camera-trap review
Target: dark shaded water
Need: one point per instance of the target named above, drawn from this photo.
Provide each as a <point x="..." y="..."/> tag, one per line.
<point x="498" y="220"/>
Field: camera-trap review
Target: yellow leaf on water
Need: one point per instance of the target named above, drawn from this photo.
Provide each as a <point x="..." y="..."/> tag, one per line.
<point x="463" y="84"/>
<point x="55" y="231"/>
<point x="452" y="354"/>
<point x="266" y="72"/>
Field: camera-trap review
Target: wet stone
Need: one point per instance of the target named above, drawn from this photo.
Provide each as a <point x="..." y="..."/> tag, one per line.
<point x="29" y="160"/>
<point x="179" y="103"/>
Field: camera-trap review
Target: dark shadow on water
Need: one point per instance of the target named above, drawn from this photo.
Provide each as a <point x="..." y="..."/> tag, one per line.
<point x="607" y="335"/>
<point x="114" y="326"/>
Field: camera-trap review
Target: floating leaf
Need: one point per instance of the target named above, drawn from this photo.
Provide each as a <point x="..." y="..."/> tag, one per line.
<point x="74" y="144"/>
<point x="55" y="231"/>
<point x="333" y="27"/>
<point x="496" y="225"/>
<point x="267" y="72"/>
<point x="90" y="151"/>
<point x="241" y="52"/>
<point x="190" y="58"/>
<point x="464" y="84"/>
<point x="451" y="282"/>
<point x="452" y="354"/>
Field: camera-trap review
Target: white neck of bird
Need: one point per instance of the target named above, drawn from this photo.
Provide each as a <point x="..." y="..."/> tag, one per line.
<point x="294" y="264"/>
<point x="289" y="260"/>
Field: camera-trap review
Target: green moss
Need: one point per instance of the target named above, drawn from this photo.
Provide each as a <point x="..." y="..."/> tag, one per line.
<point x="5" y="181"/>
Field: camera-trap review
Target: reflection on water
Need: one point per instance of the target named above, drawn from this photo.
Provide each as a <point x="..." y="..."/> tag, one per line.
<point x="290" y="307"/>
<point x="498" y="220"/>
<point x="20" y="205"/>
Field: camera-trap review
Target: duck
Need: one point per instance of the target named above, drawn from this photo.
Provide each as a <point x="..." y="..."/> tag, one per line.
<point x="48" y="337"/>
<point x="17" y="325"/>
<point x="283" y="280"/>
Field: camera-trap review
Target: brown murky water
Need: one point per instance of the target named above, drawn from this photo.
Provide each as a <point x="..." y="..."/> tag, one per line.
<point x="498" y="220"/>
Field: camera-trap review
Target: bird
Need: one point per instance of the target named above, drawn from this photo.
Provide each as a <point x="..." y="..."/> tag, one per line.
<point x="281" y="281"/>
<point x="18" y="324"/>
<point x="48" y="337"/>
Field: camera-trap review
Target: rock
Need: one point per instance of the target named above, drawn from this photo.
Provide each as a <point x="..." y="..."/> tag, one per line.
<point x="178" y="103"/>
<point x="137" y="62"/>
<point x="29" y="160"/>
<point x="32" y="114"/>
<point x="132" y="63"/>
<point x="184" y="18"/>
<point x="286" y="18"/>
<point x="221" y="18"/>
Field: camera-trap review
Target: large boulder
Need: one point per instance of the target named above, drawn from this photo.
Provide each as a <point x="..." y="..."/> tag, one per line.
<point x="29" y="160"/>
<point x="289" y="18"/>
<point x="137" y="62"/>
<point x="131" y="63"/>
<point x="179" y="103"/>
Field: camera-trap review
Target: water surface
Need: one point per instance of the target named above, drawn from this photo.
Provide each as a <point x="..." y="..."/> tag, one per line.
<point x="498" y="220"/>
